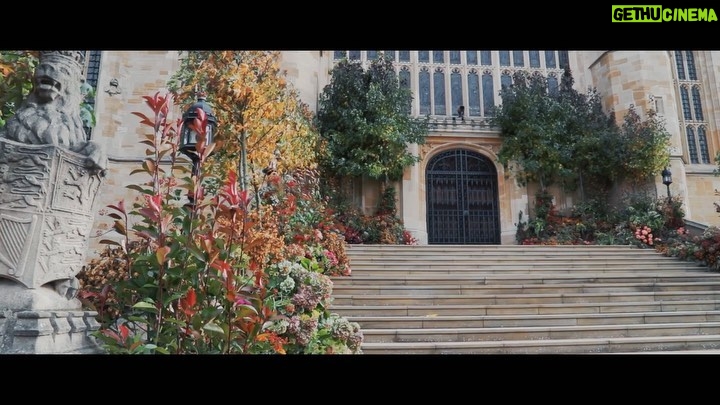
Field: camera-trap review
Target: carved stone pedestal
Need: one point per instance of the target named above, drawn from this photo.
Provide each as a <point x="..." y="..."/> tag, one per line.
<point x="46" y="202"/>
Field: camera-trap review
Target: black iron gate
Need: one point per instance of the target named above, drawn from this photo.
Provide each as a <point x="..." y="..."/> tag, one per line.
<point x="462" y="199"/>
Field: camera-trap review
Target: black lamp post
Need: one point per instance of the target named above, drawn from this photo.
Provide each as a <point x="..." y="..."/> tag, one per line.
<point x="667" y="180"/>
<point x="189" y="137"/>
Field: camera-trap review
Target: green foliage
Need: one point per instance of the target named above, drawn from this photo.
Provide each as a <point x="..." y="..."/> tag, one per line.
<point x="16" y="82"/>
<point x="565" y="137"/>
<point x="532" y="122"/>
<point x="16" y="72"/>
<point x="645" y="146"/>
<point x="642" y="220"/>
<point x="363" y="121"/>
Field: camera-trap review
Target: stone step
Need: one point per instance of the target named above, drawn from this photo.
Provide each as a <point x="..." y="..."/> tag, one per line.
<point x="527" y="309"/>
<point x="503" y="289"/>
<point x="539" y="333"/>
<point x="527" y="278"/>
<point x="553" y="346"/>
<point x="499" y="299"/>
<point x="513" y="299"/>
<point x="528" y="320"/>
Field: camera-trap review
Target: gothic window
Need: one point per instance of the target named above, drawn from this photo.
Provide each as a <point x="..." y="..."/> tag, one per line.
<point x="473" y="93"/>
<point x="679" y="65"/>
<point x="692" y="148"/>
<point x="505" y="80"/>
<point x="534" y="57"/>
<point x="518" y="59"/>
<point x="552" y="84"/>
<point x="424" y="89"/>
<point x="702" y="140"/>
<point x="456" y="91"/>
<point x="563" y="59"/>
<point x="698" y="149"/>
<point x="550" y="59"/>
<point x="91" y="73"/>
<point x="455" y="57"/>
<point x="485" y="58"/>
<point x="404" y="77"/>
<point x="504" y="58"/>
<point x="488" y="94"/>
<point x="697" y="103"/>
<point x="685" y="103"/>
<point x="92" y="68"/>
<point x="439" y="92"/>
<point x="692" y="73"/>
<point x="441" y="81"/>
<point x="471" y="57"/>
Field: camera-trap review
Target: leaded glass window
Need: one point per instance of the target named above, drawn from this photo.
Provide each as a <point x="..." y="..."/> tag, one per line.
<point x="685" y="103"/>
<point x="702" y="140"/>
<point x="692" y="149"/>
<point x="424" y="56"/>
<point x="697" y="103"/>
<point x="471" y="57"/>
<point x="488" y="94"/>
<point x="439" y="92"/>
<point x="404" y="56"/>
<point x="504" y="58"/>
<point x="404" y="77"/>
<point x="534" y="57"/>
<point x="552" y="84"/>
<point x="692" y="73"/>
<point x="354" y="55"/>
<point x="456" y="91"/>
<point x="473" y="94"/>
<point x="455" y="57"/>
<point x="679" y="65"/>
<point x="424" y="89"/>
<point x="337" y="55"/>
<point x="505" y="80"/>
<point x="372" y="55"/>
<point x="563" y="60"/>
<point x="518" y="59"/>
<point x="438" y="56"/>
<point x="485" y="58"/>
<point x="550" y="59"/>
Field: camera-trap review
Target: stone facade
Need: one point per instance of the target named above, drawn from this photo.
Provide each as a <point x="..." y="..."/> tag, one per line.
<point x="645" y="79"/>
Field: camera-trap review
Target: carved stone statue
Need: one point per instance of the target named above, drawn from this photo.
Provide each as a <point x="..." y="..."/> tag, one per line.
<point x="49" y="176"/>
<point x="51" y="113"/>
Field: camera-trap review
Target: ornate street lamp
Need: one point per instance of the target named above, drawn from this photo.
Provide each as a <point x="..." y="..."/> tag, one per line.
<point x="667" y="180"/>
<point x="189" y="137"/>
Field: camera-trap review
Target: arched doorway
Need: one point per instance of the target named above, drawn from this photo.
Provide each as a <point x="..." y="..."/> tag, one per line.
<point x="462" y="199"/>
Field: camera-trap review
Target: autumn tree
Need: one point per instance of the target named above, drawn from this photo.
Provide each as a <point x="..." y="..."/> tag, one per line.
<point x="261" y="119"/>
<point x="363" y="119"/>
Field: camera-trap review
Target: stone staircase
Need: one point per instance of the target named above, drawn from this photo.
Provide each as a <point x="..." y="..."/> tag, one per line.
<point x="512" y="299"/>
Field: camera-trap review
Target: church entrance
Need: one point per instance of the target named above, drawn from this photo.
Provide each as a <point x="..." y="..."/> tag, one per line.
<point x="462" y="199"/>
